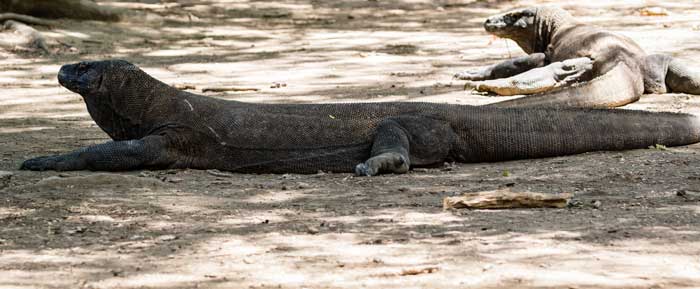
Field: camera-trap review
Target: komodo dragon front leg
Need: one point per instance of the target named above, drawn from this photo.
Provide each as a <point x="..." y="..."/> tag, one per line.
<point x="538" y="80"/>
<point x="148" y="152"/>
<point x="400" y="142"/>
<point x="504" y="69"/>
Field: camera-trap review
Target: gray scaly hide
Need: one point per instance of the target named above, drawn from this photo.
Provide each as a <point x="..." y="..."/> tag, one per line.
<point x="156" y="126"/>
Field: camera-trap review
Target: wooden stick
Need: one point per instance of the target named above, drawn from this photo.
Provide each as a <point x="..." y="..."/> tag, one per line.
<point x="184" y="86"/>
<point x="505" y="199"/>
<point x="223" y="89"/>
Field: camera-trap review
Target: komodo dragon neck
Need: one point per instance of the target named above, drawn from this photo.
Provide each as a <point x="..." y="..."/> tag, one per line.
<point x="547" y="22"/>
<point x="127" y="113"/>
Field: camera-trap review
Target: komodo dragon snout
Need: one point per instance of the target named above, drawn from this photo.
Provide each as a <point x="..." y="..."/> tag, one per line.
<point x="83" y="77"/>
<point x="510" y="23"/>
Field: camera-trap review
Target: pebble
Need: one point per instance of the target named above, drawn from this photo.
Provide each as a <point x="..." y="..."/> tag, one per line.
<point x="174" y="180"/>
<point x="166" y="238"/>
<point x="5" y="175"/>
<point x="312" y="230"/>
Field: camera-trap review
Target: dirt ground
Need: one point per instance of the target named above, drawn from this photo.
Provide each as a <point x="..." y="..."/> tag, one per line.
<point x="628" y="228"/>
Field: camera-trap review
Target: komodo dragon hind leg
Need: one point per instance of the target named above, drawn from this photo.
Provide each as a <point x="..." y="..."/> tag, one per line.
<point x="664" y="73"/>
<point x="504" y="69"/>
<point x="538" y="80"/>
<point x="682" y="78"/>
<point x="403" y="141"/>
<point x="390" y="151"/>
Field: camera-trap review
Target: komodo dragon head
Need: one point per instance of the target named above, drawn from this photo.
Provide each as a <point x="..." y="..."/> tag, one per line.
<point x="116" y="92"/>
<point x="532" y="28"/>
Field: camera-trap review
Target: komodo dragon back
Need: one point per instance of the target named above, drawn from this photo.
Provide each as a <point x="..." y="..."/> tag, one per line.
<point x="155" y="126"/>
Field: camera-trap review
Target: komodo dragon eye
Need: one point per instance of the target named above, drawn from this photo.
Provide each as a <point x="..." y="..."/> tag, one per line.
<point x="83" y="66"/>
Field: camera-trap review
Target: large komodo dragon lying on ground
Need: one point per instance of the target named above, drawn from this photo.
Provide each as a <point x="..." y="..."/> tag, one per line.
<point x="573" y="64"/>
<point x="157" y="126"/>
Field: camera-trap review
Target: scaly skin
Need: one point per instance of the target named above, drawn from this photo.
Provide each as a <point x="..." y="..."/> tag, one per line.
<point x="156" y="126"/>
<point x="555" y="36"/>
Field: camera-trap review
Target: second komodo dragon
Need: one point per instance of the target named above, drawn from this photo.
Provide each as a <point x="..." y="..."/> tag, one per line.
<point x="156" y="126"/>
<point x="570" y="63"/>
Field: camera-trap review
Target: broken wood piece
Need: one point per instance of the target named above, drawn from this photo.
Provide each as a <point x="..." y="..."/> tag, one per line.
<point x="184" y="86"/>
<point x="24" y="19"/>
<point x="653" y="11"/>
<point x="32" y="38"/>
<point x="229" y="88"/>
<point x="505" y="199"/>
<point x="418" y="271"/>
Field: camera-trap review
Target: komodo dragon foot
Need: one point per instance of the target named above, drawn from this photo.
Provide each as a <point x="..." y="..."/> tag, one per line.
<point x="537" y="80"/>
<point x="504" y="69"/>
<point x="386" y="162"/>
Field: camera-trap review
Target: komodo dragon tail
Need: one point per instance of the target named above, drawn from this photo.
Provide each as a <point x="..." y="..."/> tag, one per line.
<point x="615" y="88"/>
<point x="517" y="133"/>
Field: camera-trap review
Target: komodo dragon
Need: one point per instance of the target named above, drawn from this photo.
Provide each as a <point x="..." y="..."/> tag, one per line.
<point x="574" y="64"/>
<point x="156" y="126"/>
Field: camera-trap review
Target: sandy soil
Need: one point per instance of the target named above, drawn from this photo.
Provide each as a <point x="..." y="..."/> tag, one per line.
<point x="208" y="229"/>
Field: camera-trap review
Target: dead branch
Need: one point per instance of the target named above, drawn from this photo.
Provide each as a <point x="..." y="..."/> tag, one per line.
<point x="504" y="199"/>
<point x="229" y="88"/>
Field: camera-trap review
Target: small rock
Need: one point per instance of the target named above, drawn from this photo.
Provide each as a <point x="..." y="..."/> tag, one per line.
<point x="136" y="237"/>
<point x="278" y="85"/>
<point x="312" y="230"/>
<point x="174" y="180"/>
<point x="77" y="230"/>
<point x="5" y="175"/>
<point x="166" y="238"/>
<point x="597" y="204"/>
